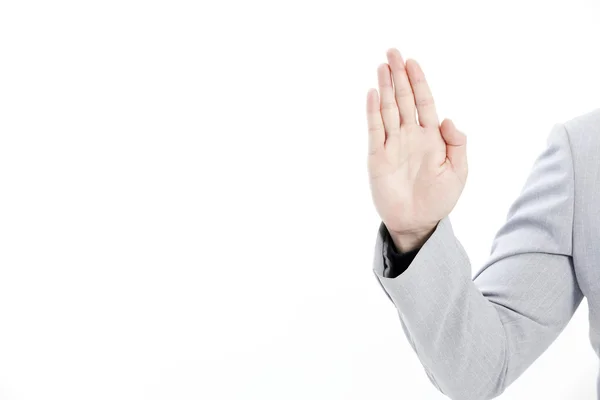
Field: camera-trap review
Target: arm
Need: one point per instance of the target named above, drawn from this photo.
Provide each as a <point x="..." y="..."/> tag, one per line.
<point x="475" y="336"/>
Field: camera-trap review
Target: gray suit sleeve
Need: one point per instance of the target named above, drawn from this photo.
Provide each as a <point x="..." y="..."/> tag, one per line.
<point x="475" y="335"/>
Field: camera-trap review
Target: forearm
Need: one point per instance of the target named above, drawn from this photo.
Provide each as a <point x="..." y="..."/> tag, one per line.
<point x="477" y="335"/>
<point x="455" y="331"/>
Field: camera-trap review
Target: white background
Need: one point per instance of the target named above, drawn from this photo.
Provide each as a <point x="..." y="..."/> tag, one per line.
<point x="184" y="204"/>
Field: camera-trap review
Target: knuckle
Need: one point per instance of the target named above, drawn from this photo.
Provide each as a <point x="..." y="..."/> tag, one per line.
<point x="399" y="68"/>
<point x="375" y="128"/>
<point x="388" y="105"/>
<point x="395" y="131"/>
<point x="418" y="79"/>
<point x="373" y="151"/>
<point x="425" y="102"/>
<point x="403" y="91"/>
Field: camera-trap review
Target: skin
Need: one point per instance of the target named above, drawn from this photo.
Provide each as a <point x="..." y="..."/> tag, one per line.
<point x="417" y="167"/>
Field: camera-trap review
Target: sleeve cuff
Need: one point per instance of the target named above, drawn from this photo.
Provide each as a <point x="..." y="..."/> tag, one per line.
<point x="434" y="265"/>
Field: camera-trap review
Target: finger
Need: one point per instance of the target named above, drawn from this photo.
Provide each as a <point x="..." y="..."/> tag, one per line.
<point x="375" y="123"/>
<point x="403" y="90"/>
<point x="456" y="145"/>
<point x="388" y="106"/>
<point x="423" y="99"/>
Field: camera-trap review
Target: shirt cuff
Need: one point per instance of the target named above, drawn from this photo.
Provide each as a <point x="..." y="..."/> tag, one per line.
<point x="396" y="262"/>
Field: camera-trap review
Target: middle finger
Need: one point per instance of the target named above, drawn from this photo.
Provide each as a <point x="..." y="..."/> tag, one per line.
<point x="402" y="87"/>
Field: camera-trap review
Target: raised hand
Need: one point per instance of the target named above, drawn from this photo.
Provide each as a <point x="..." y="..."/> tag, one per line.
<point x="417" y="167"/>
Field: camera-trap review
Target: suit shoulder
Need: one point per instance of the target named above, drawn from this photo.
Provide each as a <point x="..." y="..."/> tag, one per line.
<point x="584" y="127"/>
<point x="583" y="133"/>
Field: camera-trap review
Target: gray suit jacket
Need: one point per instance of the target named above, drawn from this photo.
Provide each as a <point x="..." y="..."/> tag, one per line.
<point x="475" y="335"/>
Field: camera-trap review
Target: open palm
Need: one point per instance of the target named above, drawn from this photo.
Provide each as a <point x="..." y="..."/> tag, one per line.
<point x="417" y="168"/>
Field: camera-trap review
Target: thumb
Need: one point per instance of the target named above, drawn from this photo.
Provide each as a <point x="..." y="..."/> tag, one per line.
<point x="456" y="145"/>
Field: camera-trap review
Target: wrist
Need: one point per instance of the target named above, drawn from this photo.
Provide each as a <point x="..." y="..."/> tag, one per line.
<point x="408" y="241"/>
